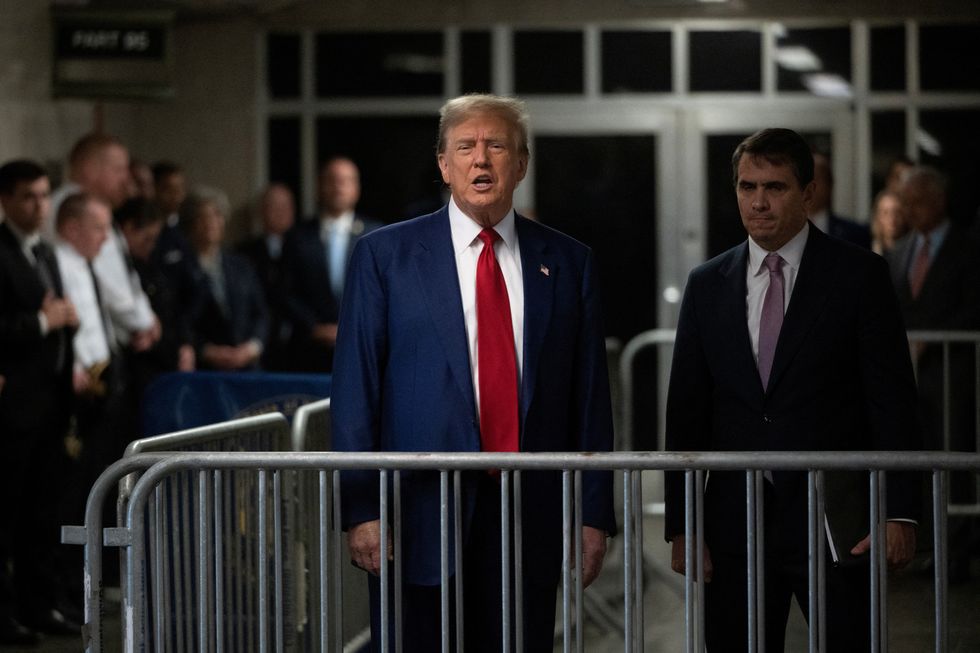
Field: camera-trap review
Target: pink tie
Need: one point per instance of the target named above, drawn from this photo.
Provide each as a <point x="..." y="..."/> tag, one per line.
<point x="495" y="353"/>
<point x="772" y="317"/>
<point x="920" y="266"/>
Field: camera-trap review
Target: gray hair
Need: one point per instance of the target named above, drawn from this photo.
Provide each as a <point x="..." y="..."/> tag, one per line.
<point x="200" y="196"/>
<point x="462" y="108"/>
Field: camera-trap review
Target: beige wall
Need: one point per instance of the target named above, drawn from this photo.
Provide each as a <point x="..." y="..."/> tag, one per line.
<point x="32" y="124"/>
<point x="208" y="127"/>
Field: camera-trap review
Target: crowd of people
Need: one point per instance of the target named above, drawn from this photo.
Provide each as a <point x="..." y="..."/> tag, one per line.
<point x="119" y="275"/>
<point x="125" y="272"/>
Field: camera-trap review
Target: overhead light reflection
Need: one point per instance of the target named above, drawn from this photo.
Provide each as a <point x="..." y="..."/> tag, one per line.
<point x="827" y="85"/>
<point x="928" y="143"/>
<point x="798" y="58"/>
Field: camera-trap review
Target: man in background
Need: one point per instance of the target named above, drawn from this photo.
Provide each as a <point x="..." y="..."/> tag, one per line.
<point x="315" y="257"/>
<point x="277" y="211"/>
<point x="936" y="273"/>
<point x="36" y="328"/>
<point x="821" y="212"/>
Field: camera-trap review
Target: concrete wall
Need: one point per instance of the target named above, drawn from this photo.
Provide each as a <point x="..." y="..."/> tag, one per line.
<point x="208" y="127"/>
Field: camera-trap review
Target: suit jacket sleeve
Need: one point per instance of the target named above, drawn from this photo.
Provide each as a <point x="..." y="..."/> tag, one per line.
<point x="889" y="384"/>
<point x="689" y="409"/>
<point x="594" y="406"/>
<point x="357" y="376"/>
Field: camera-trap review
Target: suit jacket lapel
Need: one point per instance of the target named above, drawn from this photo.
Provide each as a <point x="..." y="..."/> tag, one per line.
<point x="732" y="316"/>
<point x="29" y="285"/>
<point x="810" y="293"/>
<point x="540" y="271"/>
<point x="436" y="265"/>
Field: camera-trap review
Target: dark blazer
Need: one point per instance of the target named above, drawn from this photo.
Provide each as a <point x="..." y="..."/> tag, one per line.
<point x="308" y="297"/>
<point x="35" y="388"/>
<point x="841" y="380"/>
<point x="246" y="318"/>
<point x="271" y="275"/>
<point x="849" y="230"/>
<point x="402" y="380"/>
<point x="949" y="300"/>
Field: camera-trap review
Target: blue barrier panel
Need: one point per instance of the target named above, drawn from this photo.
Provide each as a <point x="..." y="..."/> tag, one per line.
<point x="183" y="400"/>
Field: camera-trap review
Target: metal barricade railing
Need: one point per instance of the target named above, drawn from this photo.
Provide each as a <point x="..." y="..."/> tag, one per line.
<point x="177" y="520"/>
<point x="142" y="623"/>
<point x="663" y="339"/>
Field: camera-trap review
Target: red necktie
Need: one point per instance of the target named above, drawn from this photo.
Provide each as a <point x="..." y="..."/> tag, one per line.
<point x="495" y="353"/>
<point x="920" y="266"/>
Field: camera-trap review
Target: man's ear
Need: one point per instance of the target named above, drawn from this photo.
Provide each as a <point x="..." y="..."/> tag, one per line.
<point x="443" y="167"/>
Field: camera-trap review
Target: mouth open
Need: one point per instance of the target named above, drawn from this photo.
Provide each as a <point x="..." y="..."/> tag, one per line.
<point x="482" y="182"/>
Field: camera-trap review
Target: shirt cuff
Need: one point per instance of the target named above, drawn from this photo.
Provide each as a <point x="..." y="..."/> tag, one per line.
<point x="42" y="322"/>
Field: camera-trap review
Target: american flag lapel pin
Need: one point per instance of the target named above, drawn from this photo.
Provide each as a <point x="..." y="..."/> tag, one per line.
<point x="544" y="270"/>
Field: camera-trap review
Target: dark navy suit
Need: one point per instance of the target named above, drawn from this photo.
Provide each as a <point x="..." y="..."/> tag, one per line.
<point x="402" y="382"/>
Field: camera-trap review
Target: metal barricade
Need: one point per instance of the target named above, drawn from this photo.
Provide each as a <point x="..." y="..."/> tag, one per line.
<point x="179" y="515"/>
<point x="144" y="628"/>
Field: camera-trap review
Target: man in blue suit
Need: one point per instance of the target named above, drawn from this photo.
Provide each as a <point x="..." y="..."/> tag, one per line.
<point x="790" y="341"/>
<point x="447" y="344"/>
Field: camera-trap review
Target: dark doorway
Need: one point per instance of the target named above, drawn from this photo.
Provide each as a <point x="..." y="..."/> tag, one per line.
<point x="397" y="159"/>
<point x="601" y="190"/>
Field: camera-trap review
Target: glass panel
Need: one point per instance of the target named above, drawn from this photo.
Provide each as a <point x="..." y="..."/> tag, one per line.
<point x="284" y="156"/>
<point x="476" y="62"/>
<point x="392" y="187"/>
<point x="726" y="61"/>
<point x="612" y="209"/>
<point x="948" y="140"/>
<point x="887" y="145"/>
<point x="548" y="62"/>
<point x="379" y="64"/>
<point x="815" y="60"/>
<point x="888" y="58"/>
<point x="283" y="52"/>
<point x="949" y="57"/>
<point x="636" y="62"/>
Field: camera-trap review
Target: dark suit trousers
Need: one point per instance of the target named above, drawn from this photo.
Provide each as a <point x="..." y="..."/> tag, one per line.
<point x="482" y="618"/>
<point x="726" y="600"/>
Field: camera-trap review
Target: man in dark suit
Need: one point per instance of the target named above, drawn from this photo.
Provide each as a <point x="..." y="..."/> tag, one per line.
<point x="789" y="341"/>
<point x="278" y="211"/>
<point x="315" y="256"/>
<point x="471" y="329"/>
<point x="821" y="211"/>
<point x="936" y="272"/>
<point x="36" y="327"/>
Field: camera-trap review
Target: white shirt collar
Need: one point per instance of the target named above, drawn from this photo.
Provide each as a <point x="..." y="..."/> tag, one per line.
<point x="342" y="223"/>
<point x="791" y="252"/>
<point x="465" y="230"/>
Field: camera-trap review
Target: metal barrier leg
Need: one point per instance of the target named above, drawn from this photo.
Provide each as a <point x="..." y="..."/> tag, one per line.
<point x="940" y="499"/>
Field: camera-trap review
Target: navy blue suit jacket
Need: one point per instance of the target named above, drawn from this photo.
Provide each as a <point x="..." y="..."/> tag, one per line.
<point x="402" y="380"/>
<point x="841" y="380"/>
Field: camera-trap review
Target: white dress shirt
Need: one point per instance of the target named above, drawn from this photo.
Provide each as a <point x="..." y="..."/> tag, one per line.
<point x="467" y="247"/>
<point x="90" y="343"/>
<point x="122" y="293"/>
<point x="335" y="234"/>
<point x="757" y="280"/>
